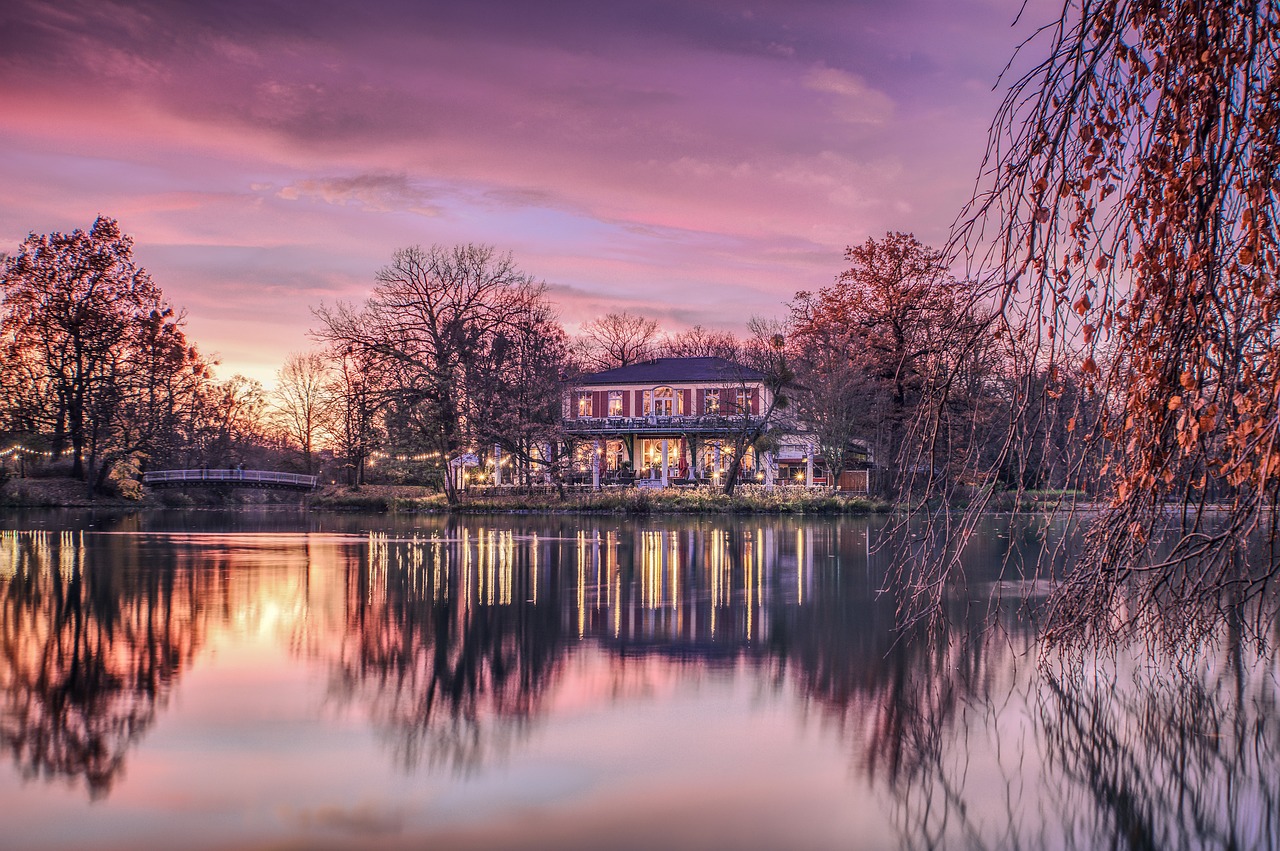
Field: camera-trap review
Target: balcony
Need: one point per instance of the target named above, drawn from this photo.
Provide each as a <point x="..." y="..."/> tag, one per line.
<point x="616" y="426"/>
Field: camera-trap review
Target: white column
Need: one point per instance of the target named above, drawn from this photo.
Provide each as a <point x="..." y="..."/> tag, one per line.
<point x="666" y="461"/>
<point x="770" y="468"/>
<point x="497" y="466"/>
<point x="597" y="457"/>
<point x="808" y="468"/>
<point x="715" y="461"/>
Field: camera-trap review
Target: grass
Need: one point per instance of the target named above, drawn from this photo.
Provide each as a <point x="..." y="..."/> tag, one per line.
<point x="623" y="501"/>
<point x="54" y="493"/>
<point x="394" y="498"/>
<point x="749" y="499"/>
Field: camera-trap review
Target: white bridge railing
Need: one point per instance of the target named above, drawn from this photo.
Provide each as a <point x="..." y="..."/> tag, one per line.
<point x="252" y="478"/>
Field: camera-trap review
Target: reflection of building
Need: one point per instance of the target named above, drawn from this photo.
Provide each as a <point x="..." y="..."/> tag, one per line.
<point x="702" y="592"/>
<point x="677" y="420"/>
<point x="670" y="590"/>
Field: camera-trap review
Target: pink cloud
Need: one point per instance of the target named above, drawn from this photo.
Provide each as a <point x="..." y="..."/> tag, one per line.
<point x="693" y="160"/>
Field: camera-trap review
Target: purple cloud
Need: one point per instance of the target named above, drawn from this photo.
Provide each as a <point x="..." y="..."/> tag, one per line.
<point x="699" y="161"/>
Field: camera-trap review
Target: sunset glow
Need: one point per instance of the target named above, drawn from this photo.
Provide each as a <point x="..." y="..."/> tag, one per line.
<point x="696" y="163"/>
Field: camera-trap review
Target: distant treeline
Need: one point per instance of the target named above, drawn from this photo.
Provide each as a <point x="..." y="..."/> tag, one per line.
<point x="458" y="350"/>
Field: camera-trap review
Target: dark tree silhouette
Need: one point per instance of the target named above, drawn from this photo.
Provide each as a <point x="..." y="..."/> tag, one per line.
<point x="107" y="369"/>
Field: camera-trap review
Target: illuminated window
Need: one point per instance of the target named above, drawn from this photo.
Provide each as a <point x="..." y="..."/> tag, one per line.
<point x="584" y="404"/>
<point x="711" y="401"/>
<point x="665" y="402"/>
<point x="615" y="403"/>
<point x="743" y="401"/>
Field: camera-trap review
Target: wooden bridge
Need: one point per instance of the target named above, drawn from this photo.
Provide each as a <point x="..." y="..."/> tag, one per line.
<point x="228" y="478"/>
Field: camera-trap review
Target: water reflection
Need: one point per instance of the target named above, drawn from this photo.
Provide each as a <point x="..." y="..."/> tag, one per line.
<point x="448" y="666"/>
<point x="88" y="652"/>
<point x="456" y="639"/>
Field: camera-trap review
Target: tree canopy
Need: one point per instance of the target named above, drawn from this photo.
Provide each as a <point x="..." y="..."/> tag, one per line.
<point x="457" y="335"/>
<point x="98" y="360"/>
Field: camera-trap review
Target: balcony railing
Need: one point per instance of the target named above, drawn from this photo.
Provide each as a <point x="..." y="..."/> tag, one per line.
<point x="658" y="425"/>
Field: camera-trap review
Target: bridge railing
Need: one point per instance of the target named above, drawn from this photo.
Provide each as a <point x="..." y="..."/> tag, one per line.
<point x="213" y="474"/>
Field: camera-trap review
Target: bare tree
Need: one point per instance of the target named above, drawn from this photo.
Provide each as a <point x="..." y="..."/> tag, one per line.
<point x="834" y="393"/>
<point x="353" y="395"/>
<point x="436" y="328"/>
<point x="618" y="339"/>
<point x="699" y="342"/>
<point x="238" y="420"/>
<point x="760" y="396"/>
<point x="300" y="401"/>
<point x="522" y="389"/>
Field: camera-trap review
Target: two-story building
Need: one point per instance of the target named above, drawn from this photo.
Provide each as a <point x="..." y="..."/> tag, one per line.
<point x="667" y="420"/>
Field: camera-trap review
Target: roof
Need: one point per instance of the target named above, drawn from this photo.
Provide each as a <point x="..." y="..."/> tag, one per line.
<point x="675" y="371"/>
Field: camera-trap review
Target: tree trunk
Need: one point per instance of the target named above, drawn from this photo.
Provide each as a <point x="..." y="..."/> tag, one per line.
<point x="450" y="485"/>
<point x="731" y="478"/>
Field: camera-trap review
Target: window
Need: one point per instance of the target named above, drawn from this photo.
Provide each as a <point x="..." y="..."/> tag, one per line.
<point x="665" y="402"/>
<point x="615" y="403"/>
<point x="743" y="402"/>
<point x="711" y="401"/>
<point x="584" y="404"/>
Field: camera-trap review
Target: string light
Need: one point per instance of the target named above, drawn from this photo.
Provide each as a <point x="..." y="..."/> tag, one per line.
<point x="422" y="456"/>
<point x="19" y="449"/>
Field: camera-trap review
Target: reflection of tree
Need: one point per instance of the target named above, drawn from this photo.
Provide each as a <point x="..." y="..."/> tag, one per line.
<point x="903" y="699"/>
<point x="92" y="640"/>
<point x="896" y="689"/>
<point x="1160" y="753"/>
<point x="449" y="674"/>
<point x="1184" y="757"/>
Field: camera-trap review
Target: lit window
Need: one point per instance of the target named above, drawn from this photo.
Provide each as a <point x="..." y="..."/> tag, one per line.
<point x="584" y="404"/>
<point x="615" y="403"/>
<point x="711" y="401"/>
<point x="665" y="402"/>
<point x="743" y="401"/>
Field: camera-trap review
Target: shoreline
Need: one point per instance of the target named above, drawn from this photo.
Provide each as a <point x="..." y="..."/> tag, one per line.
<point x="56" y="493"/>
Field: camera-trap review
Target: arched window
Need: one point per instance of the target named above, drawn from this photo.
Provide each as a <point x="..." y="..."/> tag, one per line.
<point x="663" y="402"/>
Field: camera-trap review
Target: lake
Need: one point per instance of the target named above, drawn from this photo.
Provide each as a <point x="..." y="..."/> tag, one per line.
<point x="277" y="679"/>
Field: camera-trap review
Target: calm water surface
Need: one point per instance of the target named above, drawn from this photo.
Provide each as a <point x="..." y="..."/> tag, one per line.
<point x="281" y="680"/>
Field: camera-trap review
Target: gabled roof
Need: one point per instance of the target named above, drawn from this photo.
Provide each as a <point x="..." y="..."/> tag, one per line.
<point x="675" y="371"/>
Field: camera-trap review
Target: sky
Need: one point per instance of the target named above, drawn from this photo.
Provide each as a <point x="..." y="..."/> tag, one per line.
<point x="696" y="162"/>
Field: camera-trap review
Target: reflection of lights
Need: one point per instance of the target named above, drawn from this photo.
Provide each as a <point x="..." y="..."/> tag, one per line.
<point x="800" y="555"/>
<point x="582" y="583"/>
